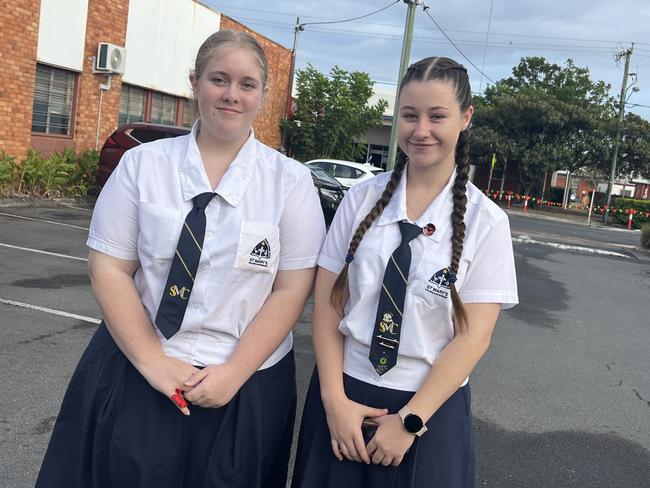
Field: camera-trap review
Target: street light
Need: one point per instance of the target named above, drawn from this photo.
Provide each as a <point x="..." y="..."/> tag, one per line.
<point x="619" y="122"/>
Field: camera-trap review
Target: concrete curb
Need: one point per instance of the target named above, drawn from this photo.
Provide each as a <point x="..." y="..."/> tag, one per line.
<point x="35" y="202"/>
<point x="567" y="220"/>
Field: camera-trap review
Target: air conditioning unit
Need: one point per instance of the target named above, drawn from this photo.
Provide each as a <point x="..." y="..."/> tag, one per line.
<point x="110" y="58"/>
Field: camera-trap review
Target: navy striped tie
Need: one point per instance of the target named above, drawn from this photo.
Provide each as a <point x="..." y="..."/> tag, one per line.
<point x="182" y="273"/>
<point x="388" y="324"/>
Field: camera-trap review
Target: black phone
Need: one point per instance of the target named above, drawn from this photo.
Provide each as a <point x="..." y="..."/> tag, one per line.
<point x="368" y="429"/>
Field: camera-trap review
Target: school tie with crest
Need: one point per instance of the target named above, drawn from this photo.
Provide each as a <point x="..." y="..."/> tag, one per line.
<point x="182" y="273"/>
<point x="388" y="324"/>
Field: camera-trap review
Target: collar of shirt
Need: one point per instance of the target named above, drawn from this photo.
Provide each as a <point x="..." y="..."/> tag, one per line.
<point x="437" y="213"/>
<point x="234" y="182"/>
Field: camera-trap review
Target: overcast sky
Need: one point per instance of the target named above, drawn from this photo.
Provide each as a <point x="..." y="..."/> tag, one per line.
<point x="587" y="31"/>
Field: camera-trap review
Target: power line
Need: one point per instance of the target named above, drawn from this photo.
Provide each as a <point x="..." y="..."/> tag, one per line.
<point x="464" y="42"/>
<point x="487" y="35"/>
<point x="352" y="19"/>
<point x="294" y="15"/>
<point x="426" y="11"/>
<point x="632" y="105"/>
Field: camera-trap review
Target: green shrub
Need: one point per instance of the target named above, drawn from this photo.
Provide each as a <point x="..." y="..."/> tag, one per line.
<point x="645" y="236"/>
<point x="60" y="174"/>
<point x="8" y="169"/>
<point x="623" y="204"/>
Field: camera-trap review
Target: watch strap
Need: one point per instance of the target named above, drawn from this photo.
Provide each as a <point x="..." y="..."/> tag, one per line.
<point x="405" y="412"/>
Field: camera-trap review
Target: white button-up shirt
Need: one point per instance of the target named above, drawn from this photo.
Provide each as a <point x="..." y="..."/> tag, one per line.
<point x="263" y="196"/>
<point x="486" y="274"/>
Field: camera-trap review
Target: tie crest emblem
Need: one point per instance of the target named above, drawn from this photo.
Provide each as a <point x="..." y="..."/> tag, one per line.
<point x="183" y="292"/>
<point x="387" y="324"/>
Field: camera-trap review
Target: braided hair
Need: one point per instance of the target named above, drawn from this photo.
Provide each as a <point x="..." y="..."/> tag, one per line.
<point x="428" y="69"/>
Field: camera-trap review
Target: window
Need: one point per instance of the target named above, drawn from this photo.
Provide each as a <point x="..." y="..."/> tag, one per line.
<point x="188" y="113"/>
<point x="131" y="105"/>
<point x="53" y="95"/>
<point x="163" y="109"/>
<point x="327" y="167"/>
<point x="341" y="171"/>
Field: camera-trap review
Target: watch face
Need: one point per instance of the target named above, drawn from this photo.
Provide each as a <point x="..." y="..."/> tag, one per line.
<point x="413" y="423"/>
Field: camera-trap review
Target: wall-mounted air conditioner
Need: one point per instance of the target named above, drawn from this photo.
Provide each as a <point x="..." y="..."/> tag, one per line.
<point x="110" y="58"/>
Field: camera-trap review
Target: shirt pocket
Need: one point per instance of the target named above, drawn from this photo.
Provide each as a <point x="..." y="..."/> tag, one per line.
<point x="258" y="250"/>
<point x="160" y="228"/>
<point x="430" y="283"/>
<point x="367" y="267"/>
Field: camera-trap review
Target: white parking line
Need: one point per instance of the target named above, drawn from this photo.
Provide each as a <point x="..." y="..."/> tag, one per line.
<point x="523" y="239"/>
<point x="28" y="249"/>
<point x="50" y="311"/>
<point x="43" y="220"/>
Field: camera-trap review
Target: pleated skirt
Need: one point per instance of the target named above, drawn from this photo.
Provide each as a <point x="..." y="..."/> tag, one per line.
<point x="114" y="430"/>
<point x="442" y="458"/>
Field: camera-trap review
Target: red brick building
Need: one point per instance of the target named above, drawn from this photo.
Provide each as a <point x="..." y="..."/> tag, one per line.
<point x="52" y="97"/>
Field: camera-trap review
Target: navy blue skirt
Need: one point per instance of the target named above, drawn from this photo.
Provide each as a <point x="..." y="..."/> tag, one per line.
<point x="442" y="458"/>
<point x="115" y="430"/>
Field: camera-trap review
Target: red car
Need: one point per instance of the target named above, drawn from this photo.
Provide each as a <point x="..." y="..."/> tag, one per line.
<point x="126" y="137"/>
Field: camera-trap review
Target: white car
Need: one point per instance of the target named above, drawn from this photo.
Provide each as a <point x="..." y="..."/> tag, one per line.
<point x="348" y="173"/>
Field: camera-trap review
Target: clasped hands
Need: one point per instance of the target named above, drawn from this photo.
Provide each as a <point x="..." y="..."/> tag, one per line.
<point x="387" y="446"/>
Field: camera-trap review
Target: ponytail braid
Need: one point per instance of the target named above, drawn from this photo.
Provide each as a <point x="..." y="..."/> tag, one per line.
<point x="458" y="224"/>
<point x="336" y="297"/>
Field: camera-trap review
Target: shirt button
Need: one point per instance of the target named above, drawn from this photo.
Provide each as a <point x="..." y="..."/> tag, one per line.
<point x="196" y="305"/>
<point x="205" y="267"/>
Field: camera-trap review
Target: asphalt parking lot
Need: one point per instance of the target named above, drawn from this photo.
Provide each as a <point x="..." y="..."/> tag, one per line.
<point x="562" y="399"/>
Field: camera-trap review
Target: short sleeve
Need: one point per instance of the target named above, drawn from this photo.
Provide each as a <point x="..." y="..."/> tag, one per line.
<point x="302" y="226"/>
<point x="335" y="248"/>
<point x="114" y="225"/>
<point x="491" y="276"/>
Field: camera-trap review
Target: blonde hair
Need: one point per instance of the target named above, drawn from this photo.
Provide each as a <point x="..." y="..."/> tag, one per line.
<point x="224" y="37"/>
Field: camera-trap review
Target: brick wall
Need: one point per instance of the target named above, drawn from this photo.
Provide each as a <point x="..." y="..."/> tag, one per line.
<point x="18" y="43"/>
<point x="107" y="22"/>
<point x="267" y="123"/>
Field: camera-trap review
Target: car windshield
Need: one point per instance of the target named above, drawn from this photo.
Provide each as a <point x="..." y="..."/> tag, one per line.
<point x="324" y="176"/>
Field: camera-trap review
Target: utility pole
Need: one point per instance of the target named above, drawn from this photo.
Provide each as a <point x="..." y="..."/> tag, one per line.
<point x="619" y="122"/>
<point x="403" y="65"/>
<point x="299" y="27"/>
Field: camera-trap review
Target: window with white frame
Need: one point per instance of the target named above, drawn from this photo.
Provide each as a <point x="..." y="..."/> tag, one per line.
<point x="53" y="97"/>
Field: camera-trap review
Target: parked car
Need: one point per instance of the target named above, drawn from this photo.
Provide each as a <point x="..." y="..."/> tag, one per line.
<point x="330" y="191"/>
<point x="348" y="173"/>
<point x="126" y="137"/>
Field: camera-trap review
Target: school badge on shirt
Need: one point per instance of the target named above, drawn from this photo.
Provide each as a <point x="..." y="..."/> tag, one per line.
<point x="261" y="254"/>
<point x="439" y="283"/>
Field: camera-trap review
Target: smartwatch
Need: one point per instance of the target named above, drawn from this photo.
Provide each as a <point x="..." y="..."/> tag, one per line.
<point x="412" y="423"/>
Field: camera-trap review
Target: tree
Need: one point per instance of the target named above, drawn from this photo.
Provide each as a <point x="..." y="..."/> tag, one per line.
<point x="331" y="112"/>
<point x="543" y="118"/>
<point x="634" y="154"/>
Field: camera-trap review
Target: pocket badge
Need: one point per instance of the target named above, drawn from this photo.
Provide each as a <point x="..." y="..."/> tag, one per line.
<point x="440" y="283"/>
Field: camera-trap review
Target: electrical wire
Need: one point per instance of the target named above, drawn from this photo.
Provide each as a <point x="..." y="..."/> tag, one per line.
<point x="426" y="11"/>
<point x="492" y="34"/>
<point x="487" y="35"/>
<point x="465" y="42"/>
<point x="301" y="27"/>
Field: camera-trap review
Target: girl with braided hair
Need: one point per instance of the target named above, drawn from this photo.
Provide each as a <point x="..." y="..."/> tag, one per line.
<point x="413" y="273"/>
